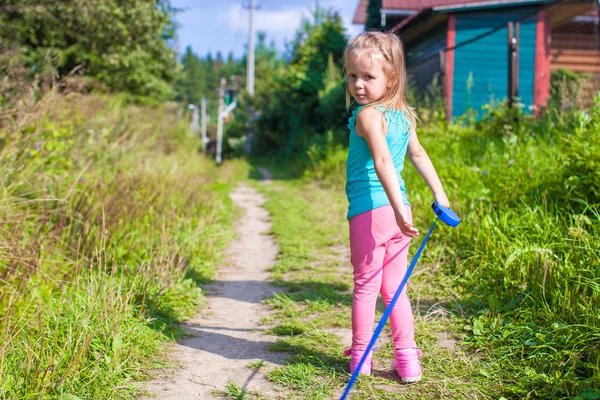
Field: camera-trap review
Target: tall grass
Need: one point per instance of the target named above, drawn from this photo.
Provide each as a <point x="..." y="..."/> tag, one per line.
<point x="526" y="259"/>
<point x="109" y="220"/>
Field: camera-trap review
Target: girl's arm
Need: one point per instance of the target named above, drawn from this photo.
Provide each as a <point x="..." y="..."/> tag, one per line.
<point x="370" y="126"/>
<point x="419" y="158"/>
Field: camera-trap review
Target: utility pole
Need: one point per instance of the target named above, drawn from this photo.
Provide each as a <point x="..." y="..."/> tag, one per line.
<point x="250" y="67"/>
<point x="204" y="125"/>
<point x="220" y="120"/>
<point x="250" y="78"/>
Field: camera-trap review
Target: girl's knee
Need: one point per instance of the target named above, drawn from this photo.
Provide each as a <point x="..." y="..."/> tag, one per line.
<point x="388" y="295"/>
<point x="365" y="293"/>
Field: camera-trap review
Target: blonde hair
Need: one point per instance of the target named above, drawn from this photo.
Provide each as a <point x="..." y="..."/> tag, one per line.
<point x="391" y="49"/>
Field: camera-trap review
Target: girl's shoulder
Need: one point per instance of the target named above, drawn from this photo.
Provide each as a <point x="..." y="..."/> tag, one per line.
<point x="364" y="116"/>
<point x="395" y="118"/>
<point x="366" y="112"/>
<point x="391" y="117"/>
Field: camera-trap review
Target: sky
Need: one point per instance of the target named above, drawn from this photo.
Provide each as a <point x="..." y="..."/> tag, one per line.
<point x="222" y="25"/>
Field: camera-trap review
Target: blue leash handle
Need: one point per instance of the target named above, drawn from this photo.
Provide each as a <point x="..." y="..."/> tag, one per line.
<point x="387" y="313"/>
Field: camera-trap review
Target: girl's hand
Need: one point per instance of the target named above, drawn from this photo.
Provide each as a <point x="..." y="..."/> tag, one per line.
<point x="405" y="227"/>
<point x="442" y="199"/>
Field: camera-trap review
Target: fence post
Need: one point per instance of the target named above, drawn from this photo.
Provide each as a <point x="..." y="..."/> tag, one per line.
<point x="204" y="125"/>
<point x="194" y="123"/>
<point x="220" y="120"/>
<point x="449" y="64"/>
<point x="513" y="62"/>
<point x="517" y="39"/>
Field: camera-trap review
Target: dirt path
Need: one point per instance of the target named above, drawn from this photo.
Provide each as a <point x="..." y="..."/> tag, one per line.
<point x="227" y="334"/>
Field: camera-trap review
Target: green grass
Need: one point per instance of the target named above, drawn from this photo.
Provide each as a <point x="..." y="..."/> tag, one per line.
<point x="233" y="391"/>
<point x="110" y="220"/>
<point x="257" y="365"/>
<point x="313" y="314"/>
<point x="517" y="283"/>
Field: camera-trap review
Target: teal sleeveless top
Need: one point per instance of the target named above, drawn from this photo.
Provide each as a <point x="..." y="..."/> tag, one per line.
<point x="363" y="188"/>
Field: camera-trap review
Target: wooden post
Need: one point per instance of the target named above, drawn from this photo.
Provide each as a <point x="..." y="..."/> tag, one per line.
<point x="194" y="127"/>
<point x="449" y="65"/>
<point x="513" y="62"/>
<point x="516" y="41"/>
<point x="204" y="125"/>
<point x="542" y="62"/>
<point x="220" y="120"/>
<point x="510" y="64"/>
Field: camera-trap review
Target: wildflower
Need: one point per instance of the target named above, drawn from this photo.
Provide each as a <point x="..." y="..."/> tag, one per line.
<point x="578" y="232"/>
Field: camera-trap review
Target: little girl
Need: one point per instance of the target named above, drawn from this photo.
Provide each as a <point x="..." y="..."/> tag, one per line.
<point x="382" y="132"/>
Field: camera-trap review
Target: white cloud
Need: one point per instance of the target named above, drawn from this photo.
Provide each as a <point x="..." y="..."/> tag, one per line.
<point x="274" y="22"/>
<point x="286" y="21"/>
<point x="281" y="24"/>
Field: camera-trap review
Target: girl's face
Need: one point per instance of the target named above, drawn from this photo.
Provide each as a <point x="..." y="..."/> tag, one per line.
<point x="366" y="79"/>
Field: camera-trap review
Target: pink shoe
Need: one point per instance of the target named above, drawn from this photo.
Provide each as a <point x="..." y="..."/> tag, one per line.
<point x="407" y="365"/>
<point x="355" y="357"/>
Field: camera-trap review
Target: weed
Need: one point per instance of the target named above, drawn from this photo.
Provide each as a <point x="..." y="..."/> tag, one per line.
<point x="234" y="391"/>
<point x="256" y="365"/>
<point x="109" y="221"/>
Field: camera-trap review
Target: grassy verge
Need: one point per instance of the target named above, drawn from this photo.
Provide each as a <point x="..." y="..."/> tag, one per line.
<point x="313" y="316"/>
<point x="109" y="220"/>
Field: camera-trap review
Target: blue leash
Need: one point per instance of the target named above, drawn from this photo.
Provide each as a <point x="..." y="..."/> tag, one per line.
<point x="450" y="218"/>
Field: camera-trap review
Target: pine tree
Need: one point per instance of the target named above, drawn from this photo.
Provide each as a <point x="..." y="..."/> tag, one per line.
<point x="373" y="15"/>
<point x="191" y="87"/>
<point x="219" y="62"/>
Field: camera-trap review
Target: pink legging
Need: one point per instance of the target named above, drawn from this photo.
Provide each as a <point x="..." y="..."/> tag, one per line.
<point x="379" y="253"/>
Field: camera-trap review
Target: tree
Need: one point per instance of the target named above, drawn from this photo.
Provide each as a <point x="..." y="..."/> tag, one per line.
<point x="291" y="116"/>
<point x="123" y="44"/>
<point x="373" y="15"/>
<point x="191" y="87"/>
<point x="219" y="62"/>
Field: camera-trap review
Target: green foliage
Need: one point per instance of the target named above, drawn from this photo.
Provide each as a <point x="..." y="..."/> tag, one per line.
<point x="269" y="66"/>
<point x="572" y="90"/>
<point x="289" y="329"/>
<point x="327" y="160"/>
<point x="294" y="101"/>
<point x="312" y="316"/>
<point x="332" y="99"/>
<point x="234" y="391"/>
<point x="373" y="15"/>
<point x="200" y="78"/>
<point x="429" y="102"/>
<point x="292" y="114"/>
<point x="194" y="82"/>
<point x="124" y="46"/>
<point x="582" y="158"/>
<point x="111" y="220"/>
<point x="525" y="262"/>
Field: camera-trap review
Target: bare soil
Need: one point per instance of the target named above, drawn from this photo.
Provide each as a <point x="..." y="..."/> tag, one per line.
<point x="227" y="334"/>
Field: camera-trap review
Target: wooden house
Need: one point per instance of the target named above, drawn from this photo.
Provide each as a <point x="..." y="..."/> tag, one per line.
<point x="465" y="45"/>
